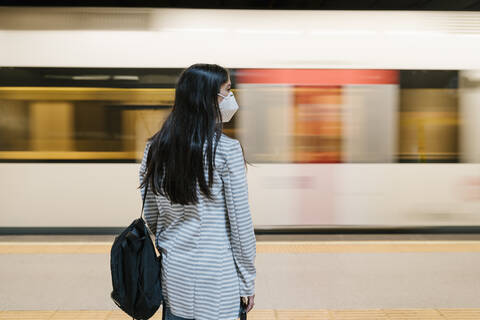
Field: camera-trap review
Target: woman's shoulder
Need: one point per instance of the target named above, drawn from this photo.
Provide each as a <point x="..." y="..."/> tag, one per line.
<point x="228" y="148"/>
<point x="228" y="142"/>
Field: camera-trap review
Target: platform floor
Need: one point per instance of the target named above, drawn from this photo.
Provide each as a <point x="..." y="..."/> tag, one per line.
<point x="353" y="277"/>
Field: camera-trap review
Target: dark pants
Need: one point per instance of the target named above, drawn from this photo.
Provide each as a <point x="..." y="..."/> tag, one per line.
<point x="167" y="315"/>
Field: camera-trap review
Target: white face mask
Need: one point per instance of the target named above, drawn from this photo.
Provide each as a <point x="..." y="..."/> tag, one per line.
<point x="228" y="106"/>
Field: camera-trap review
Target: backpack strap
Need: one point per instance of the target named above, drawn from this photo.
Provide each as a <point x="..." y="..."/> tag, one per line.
<point x="144" y="197"/>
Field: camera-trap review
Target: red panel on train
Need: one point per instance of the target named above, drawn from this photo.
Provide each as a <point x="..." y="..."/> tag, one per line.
<point x="317" y="76"/>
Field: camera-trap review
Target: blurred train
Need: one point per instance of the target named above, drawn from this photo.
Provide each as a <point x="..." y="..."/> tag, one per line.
<point x="348" y="119"/>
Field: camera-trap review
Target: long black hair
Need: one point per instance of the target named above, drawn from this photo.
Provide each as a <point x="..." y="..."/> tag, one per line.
<point x="175" y="161"/>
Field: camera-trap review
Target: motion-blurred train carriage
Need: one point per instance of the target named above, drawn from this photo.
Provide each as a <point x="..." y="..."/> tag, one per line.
<point x="343" y="127"/>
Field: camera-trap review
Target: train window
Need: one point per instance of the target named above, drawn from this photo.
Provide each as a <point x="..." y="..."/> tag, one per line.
<point x="285" y="116"/>
<point x="79" y="124"/>
<point x="428" y="116"/>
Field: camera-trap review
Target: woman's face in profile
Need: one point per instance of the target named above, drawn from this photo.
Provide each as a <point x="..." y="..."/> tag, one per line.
<point x="224" y="90"/>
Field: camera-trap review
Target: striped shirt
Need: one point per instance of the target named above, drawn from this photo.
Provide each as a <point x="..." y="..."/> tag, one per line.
<point x="208" y="249"/>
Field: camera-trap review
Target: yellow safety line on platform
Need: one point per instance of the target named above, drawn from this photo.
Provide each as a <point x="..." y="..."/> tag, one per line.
<point x="275" y="247"/>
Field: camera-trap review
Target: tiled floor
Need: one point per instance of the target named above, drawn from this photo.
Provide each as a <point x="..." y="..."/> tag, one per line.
<point x="374" y="314"/>
<point x="388" y="277"/>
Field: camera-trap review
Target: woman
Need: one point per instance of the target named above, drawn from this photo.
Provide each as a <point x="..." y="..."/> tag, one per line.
<point x="197" y="202"/>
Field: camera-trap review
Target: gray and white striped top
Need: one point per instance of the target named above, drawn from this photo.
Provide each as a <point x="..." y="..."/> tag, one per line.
<point x="208" y="250"/>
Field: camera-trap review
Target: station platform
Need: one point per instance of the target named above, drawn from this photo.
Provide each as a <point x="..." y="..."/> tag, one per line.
<point x="298" y="277"/>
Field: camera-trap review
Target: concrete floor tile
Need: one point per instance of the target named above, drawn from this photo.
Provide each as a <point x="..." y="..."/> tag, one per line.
<point x="26" y="315"/>
<point x="374" y="314"/>
<point x="460" y="314"/>
<point x="303" y="315"/>
<point x="79" y="314"/>
<point x="417" y="314"/>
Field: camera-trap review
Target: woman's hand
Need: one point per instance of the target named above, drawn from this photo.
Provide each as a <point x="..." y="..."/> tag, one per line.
<point x="250" y="302"/>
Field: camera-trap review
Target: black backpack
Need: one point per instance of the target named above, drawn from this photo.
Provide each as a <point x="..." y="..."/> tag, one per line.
<point x="136" y="270"/>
